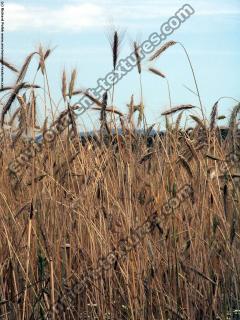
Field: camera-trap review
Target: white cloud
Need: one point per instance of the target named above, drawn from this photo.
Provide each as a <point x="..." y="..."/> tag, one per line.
<point x="71" y="17"/>
<point x="217" y="8"/>
<point x="77" y="15"/>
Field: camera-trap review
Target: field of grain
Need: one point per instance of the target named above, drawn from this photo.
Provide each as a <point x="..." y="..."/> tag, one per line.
<point x="70" y="201"/>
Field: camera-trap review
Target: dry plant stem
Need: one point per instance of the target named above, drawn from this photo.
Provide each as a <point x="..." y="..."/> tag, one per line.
<point x="141" y="97"/>
<point x="229" y="98"/>
<point x="45" y="98"/>
<point x="49" y="93"/>
<point x="141" y="87"/>
<point x="112" y="98"/>
<point x="169" y="93"/>
<point x="195" y="80"/>
<point x="169" y="97"/>
<point x="52" y="287"/>
<point x="27" y="266"/>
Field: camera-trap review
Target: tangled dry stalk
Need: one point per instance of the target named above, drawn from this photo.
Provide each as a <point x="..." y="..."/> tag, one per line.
<point x="78" y="197"/>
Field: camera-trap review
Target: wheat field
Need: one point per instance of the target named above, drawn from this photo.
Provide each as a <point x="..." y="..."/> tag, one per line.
<point x="73" y="199"/>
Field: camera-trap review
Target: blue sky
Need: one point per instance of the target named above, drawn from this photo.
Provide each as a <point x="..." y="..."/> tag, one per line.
<point x="79" y="31"/>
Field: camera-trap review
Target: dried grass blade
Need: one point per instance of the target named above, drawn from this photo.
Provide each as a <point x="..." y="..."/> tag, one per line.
<point x="178" y="108"/>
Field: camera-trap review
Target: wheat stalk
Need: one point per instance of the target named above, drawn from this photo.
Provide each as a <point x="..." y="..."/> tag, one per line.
<point x="72" y="82"/>
<point x="24" y="68"/>
<point x="138" y="59"/>
<point x="178" y="108"/>
<point x="213" y="116"/>
<point x="162" y="49"/>
<point x="10" y="101"/>
<point x="64" y="85"/>
<point x="157" y="72"/>
<point x="8" y="65"/>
